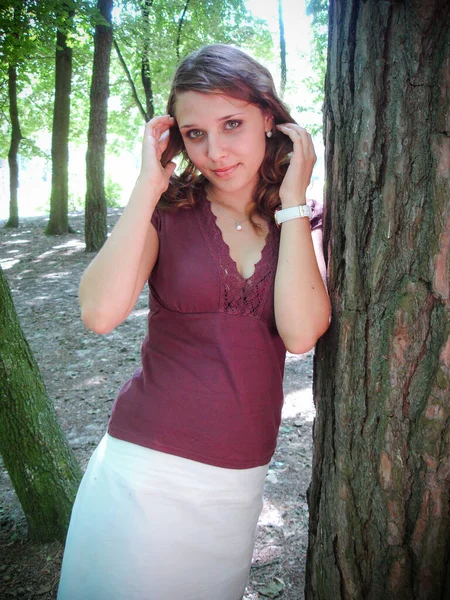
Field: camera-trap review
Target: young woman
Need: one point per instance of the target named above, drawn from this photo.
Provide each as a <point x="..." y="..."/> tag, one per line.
<point x="169" y="503"/>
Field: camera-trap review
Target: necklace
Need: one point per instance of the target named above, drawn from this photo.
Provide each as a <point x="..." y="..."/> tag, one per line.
<point x="237" y="223"/>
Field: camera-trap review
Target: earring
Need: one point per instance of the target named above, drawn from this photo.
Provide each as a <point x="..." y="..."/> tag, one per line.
<point x="269" y="134"/>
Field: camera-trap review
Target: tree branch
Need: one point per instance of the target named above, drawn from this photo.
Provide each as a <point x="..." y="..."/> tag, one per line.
<point x="130" y="80"/>
<point x="180" y="25"/>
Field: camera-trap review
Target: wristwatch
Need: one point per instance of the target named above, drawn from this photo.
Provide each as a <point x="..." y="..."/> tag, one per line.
<point x="293" y="212"/>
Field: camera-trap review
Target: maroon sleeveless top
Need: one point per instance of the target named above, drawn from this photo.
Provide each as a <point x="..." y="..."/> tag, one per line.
<point x="210" y="385"/>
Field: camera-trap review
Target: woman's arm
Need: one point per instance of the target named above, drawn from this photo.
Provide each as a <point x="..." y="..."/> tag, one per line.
<point x="302" y="305"/>
<point x="113" y="281"/>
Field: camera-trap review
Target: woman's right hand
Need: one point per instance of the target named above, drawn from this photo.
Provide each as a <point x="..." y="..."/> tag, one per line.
<point x="156" y="139"/>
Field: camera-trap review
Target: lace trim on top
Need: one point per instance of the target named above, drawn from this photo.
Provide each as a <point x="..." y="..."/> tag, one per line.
<point x="240" y="295"/>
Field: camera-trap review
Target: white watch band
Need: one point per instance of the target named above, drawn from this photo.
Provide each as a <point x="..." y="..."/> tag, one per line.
<point x="293" y="212"/>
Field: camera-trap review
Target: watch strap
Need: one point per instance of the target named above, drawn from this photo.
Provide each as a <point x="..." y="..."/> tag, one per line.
<point x="293" y="212"/>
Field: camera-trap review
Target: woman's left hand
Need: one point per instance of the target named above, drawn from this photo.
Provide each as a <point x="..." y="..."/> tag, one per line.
<point x="303" y="158"/>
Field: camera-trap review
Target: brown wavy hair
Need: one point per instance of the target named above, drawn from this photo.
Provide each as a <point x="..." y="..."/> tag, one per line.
<point x="228" y="70"/>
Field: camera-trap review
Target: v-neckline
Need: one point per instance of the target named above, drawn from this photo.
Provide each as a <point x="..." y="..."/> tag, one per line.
<point x="226" y="254"/>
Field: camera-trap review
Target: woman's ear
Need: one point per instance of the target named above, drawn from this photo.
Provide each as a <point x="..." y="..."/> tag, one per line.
<point x="269" y="123"/>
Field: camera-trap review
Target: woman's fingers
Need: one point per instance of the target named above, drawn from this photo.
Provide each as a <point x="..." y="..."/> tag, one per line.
<point x="300" y="138"/>
<point x="164" y="140"/>
<point x="301" y="163"/>
<point x="156" y="133"/>
<point x="158" y="125"/>
<point x="156" y="139"/>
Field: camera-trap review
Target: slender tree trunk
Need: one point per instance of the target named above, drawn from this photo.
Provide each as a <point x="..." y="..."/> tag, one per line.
<point x="146" y="74"/>
<point x="96" y="229"/>
<point x="283" y="68"/>
<point x="130" y="80"/>
<point x="379" y="497"/>
<point x="16" y="136"/>
<point x="180" y="27"/>
<point x="39" y="461"/>
<point x="59" y="200"/>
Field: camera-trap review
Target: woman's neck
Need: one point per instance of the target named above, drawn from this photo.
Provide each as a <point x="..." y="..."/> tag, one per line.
<point x="237" y="204"/>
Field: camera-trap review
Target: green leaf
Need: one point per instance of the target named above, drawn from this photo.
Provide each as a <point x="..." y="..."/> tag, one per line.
<point x="274" y="589"/>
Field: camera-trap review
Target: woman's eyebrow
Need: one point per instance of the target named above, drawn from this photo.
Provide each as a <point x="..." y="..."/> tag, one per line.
<point x="218" y="120"/>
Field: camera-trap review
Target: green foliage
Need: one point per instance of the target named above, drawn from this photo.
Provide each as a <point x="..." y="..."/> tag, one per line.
<point x="113" y="192"/>
<point x="204" y="22"/>
<point x="28" y="37"/>
<point x="317" y="57"/>
<point x="28" y="34"/>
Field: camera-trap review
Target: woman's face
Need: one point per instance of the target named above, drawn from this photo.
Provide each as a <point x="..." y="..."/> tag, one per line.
<point x="224" y="138"/>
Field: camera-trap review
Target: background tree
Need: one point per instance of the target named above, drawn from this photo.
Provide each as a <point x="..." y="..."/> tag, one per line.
<point x="379" y="497"/>
<point x="95" y="224"/>
<point x="40" y="463"/>
<point x="19" y="40"/>
<point x="59" y="200"/>
<point x="16" y="136"/>
<point x="146" y="73"/>
<point x="283" y="68"/>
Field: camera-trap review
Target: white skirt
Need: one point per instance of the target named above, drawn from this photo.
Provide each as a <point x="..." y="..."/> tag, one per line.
<point x="147" y="525"/>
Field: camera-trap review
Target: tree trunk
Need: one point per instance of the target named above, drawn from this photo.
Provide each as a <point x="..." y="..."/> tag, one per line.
<point x="379" y="497"/>
<point x="146" y="74"/>
<point x="283" y="69"/>
<point x="59" y="222"/>
<point x="16" y="136"/>
<point x="42" y="467"/>
<point x="180" y="27"/>
<point x="96" y="229"/>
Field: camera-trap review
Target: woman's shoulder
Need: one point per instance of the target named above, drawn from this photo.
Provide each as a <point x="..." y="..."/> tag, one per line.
<point x="182" y="209"/>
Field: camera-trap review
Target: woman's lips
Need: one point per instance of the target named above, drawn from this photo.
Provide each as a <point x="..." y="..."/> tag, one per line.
<point x="225" y="172"/>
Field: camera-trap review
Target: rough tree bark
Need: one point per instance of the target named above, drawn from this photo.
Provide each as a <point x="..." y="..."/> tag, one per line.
<point x="16" y="136"/>
<point x="379" y="497"/>
<point x="95" y="208"/>
<point x="59" y="199"/>
<point x="42" y="466"/>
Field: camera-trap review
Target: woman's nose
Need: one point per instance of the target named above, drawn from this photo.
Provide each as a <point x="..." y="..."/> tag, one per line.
<point x="216" y="148"/>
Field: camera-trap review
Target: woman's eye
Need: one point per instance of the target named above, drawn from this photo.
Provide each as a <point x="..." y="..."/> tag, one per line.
<point x="232" y="124"/>
<point x="194" y="134"/>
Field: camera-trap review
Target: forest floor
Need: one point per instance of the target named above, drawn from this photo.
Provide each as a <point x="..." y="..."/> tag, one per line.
<point x="83" y="373"/>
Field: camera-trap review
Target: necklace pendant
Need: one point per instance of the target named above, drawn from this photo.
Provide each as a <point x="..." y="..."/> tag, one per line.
<point x="238" y="226"/>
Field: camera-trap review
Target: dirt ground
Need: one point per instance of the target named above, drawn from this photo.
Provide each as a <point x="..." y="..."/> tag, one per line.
<point x="83" y="373"/>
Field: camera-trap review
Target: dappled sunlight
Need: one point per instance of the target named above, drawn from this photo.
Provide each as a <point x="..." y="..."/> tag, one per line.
<point x="60" y="275"/>
<point x="138" y="313"/>
<point x="38" y="299"/>
<point x="299" y="403"/>
<point x="271" y="515"/>
<point x="94" y="381"/>
<point x="71" y="246"/>
<point x="78" y="244"/>
<point x="44" y="255"/>
<point x="7" y="263"/>
<point x="14" y="242"/>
